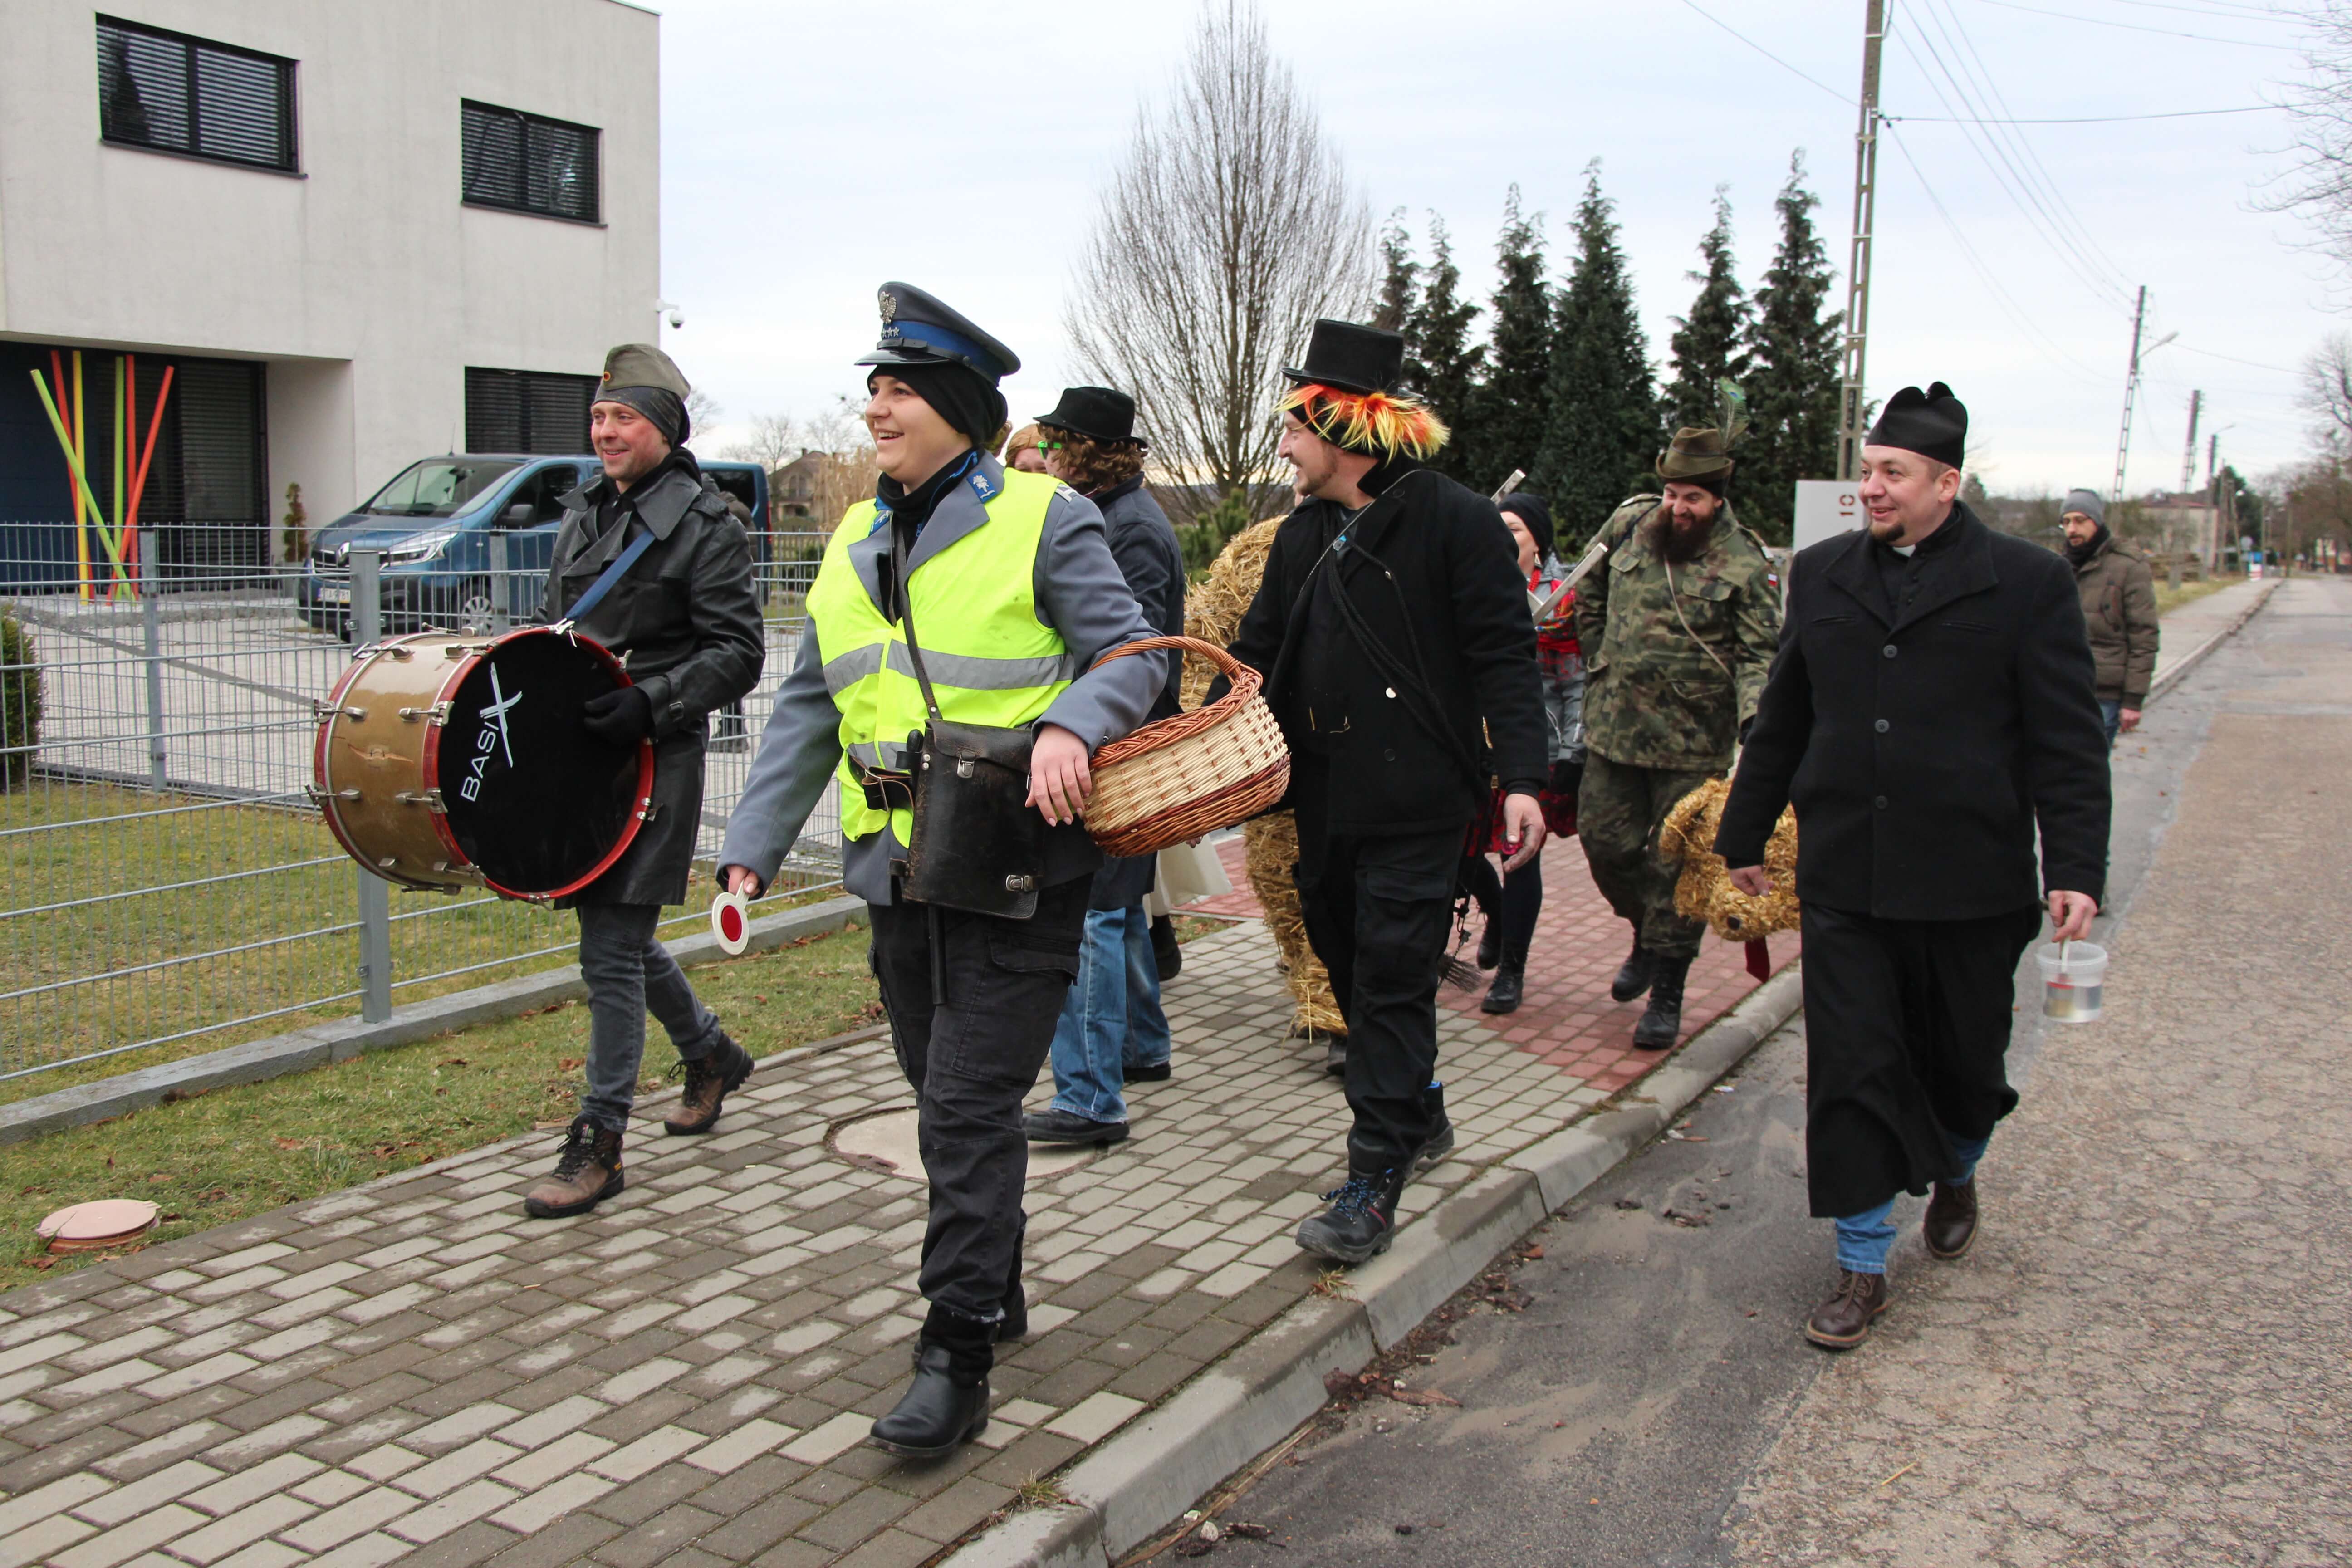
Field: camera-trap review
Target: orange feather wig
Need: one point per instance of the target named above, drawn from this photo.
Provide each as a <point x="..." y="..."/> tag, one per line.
<point x="1381" y="423"/>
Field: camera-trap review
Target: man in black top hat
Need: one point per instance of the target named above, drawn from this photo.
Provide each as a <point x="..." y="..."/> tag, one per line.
<point x="1932" y="705"/>
<point x="952" y="542"/>
<point x="1391" y="626"/>
<point x="1112" y="1030"/>
<point x="685" y="615"/>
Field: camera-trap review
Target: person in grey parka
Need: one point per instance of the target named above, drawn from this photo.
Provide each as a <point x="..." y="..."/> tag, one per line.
<point x="687" y="622"/>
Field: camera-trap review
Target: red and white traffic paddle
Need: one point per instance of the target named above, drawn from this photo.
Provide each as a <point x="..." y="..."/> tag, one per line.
<point x="731" y="924"/>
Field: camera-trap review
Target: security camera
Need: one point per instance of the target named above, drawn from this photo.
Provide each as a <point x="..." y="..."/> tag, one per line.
<point x="676" y="317"/>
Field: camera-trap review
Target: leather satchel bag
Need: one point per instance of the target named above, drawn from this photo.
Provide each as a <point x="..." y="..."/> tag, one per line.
<point x="978" y="845"/>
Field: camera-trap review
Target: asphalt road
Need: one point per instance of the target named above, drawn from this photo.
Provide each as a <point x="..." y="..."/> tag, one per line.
<point x="1625" y="1415"/>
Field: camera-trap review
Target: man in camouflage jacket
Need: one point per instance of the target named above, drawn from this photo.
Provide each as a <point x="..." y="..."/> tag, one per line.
<point x="1678" y="625"/>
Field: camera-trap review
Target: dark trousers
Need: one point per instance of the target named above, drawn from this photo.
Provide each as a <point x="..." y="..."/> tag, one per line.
<point x="971" y="1061"/>
<point x="1906" y="1041"/>
<point x="1513" y="898"/>
<point x="627" y="970"/>
<point x="1377" y="911"/>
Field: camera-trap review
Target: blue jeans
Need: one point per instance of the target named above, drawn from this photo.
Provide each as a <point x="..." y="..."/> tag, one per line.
<point x="628" y="971"/>
<point x="1862" y="1238"/>
<point x="1111" y="1020"/>
<point x="2111" y="713"/>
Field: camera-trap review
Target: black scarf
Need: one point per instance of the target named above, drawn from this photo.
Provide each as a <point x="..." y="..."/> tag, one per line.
<point x="615" y="503"/>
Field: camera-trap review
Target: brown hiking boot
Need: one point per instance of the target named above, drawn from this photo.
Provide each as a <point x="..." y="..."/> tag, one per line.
<point x="1842" y="1322"/>
<point x="708" y="1080"/>
<point x="1951" y="1219"/>
<point x="587" y="1172"/>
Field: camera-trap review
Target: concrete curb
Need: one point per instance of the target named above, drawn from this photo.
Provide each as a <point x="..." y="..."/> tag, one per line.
<point x="2179" y="669"/>
<point x="1142" y="1478"/>
<point x="346" y="1038"/>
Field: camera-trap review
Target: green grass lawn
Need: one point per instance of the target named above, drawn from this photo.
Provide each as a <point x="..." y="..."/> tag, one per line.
<point x="231" y="1152"/>
<point x="236" y="1152"/>
<point x="91" y="839"/>
<point x="2188" y="593"/>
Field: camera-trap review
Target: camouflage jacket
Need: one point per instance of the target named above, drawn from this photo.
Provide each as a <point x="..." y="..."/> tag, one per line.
<point x="1665" y="690"/>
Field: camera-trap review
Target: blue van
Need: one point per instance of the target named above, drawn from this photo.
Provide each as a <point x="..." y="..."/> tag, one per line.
<point x="434" y="522"/>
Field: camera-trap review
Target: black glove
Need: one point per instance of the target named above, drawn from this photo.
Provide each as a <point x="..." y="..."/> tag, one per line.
<point x="1566" y="776"/>
<point x="620" y="717"/>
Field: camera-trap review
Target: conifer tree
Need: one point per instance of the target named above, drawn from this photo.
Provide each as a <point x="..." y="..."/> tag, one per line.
<point x="1399" y="277"/>
<point x="1443" y="363"/>
<point x="1603" y="429"/>
<point x="1508" y="412"/>
<point x="1792" y="392"/>
<point x="1712" y="341"/>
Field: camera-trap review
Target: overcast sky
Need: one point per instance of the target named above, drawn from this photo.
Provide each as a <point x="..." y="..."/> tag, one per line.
<point x="812" y="152"/>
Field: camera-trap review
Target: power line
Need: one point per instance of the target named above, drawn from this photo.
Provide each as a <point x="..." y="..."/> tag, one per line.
<point x="2080" y="119"/>
<point x="2139" y="27"/>
<point x="1769" y="54"/>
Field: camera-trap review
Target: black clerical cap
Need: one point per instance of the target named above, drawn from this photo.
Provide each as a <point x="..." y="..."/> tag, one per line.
<point x="1933" y="424"/>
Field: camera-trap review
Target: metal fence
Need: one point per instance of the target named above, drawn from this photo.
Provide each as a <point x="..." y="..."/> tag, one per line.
<point x="166" y="886"/>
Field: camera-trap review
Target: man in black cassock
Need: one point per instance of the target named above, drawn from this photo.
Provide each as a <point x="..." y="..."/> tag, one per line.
<point x="1932" y="703"/>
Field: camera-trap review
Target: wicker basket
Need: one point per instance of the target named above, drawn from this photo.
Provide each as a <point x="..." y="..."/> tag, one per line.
<point x="1193" y="772"/>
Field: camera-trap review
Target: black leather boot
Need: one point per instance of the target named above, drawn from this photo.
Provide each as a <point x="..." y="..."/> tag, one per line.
<point x="947" y="1404"/>
<point x="1663" y="1022"/>
<point x="1490" y="942"/>
<point x="1167" y="952"/>
<point x="1634" y="975"/>
<point x="1334" y="1055"/>
<point x="1506" y="990"/>
<point x="1441" y="1130"/>
<point x="1360" y="1221"/>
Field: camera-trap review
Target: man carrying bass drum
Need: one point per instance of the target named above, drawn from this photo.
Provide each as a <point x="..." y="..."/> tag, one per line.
<point x="649" y="563"/>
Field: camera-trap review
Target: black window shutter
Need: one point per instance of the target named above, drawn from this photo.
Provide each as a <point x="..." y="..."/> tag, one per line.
<point x="175" y="93"/>
<point x="526" y="162"/>
<point x="535" y="411"/>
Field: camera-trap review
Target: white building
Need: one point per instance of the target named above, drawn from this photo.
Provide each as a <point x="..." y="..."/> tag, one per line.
<point x="359" y="232"/>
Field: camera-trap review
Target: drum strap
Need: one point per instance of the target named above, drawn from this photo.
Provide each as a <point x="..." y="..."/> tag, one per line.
<point x="612" y="573"/>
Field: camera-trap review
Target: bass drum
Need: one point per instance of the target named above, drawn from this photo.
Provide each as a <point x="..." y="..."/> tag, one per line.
<point x="450" y="763"/>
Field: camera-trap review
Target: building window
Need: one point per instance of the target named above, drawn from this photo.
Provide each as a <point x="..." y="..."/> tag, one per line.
<point x="525" y="163"/>
<point x="174" y="93"/>
<point x="528" y="411"/>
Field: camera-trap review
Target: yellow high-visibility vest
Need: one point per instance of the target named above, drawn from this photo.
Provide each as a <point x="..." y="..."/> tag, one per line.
<point x="991" y="660"/>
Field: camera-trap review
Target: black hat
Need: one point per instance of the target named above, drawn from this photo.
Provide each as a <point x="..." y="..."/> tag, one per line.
<point x="917" y="329"/>
<point x="1352" y="357"/>
<point x="1095" y="411"/>
<point x="1531" y="510"/>
<point x="1933" y="424"/>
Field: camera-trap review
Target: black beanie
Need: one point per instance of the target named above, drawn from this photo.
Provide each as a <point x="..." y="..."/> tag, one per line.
<point x="1529" y="508"/>
<point x="968" y="400"/>
<point x="666" y="408"/>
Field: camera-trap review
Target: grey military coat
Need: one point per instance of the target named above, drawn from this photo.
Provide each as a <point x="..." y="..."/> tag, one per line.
<point x="685" y="620"/>
<point x="1079" y="592"/>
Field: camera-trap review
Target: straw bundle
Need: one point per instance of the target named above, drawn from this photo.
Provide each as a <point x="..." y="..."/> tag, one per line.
<point x="1704" y="891"/>
<point x="1215" y="605"/>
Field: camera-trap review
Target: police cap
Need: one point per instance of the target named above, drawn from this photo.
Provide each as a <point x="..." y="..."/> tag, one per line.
<point x="918" y="329"/>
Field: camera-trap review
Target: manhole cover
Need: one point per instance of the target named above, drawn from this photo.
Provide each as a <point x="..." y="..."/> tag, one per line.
<point x="884" y="1141"/>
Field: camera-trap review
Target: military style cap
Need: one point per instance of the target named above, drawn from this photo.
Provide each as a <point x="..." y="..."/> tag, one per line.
<point x="1695" y="455"/>
<point x="641" y="365"/>
<point x="918" y="329"/>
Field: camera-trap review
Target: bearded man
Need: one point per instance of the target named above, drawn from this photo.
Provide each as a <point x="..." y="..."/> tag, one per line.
<point x="1677" y="625"/>
<point x="1393" y="627"/>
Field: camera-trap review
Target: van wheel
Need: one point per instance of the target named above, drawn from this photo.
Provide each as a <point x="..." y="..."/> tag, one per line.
<point x="472" y="608"/>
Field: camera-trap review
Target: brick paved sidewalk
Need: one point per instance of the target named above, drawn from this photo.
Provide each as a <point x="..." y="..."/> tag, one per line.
<point x="410" y="1371"/>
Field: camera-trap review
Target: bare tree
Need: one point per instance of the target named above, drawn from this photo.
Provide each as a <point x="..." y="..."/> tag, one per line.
<point x="774" y="440"/>
<point x="702" y="410"/>
<point x="2317" y="182"/>
<point x="1229" y="227"/>
<point x="2326" y="391"/>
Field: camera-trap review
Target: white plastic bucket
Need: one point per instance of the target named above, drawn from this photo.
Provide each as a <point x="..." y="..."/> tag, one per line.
<point x="2071" y="976"/>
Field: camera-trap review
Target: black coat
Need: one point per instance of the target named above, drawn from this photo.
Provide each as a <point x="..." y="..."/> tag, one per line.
<point x="687" y="617"/>
<point x="1434" y="573"/>
<point x="1921" y="748"/>
<point x="1143" y="542"/>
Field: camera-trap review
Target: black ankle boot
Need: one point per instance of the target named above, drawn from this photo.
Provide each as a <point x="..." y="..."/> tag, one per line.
<point x="1360" y="1221"/>
<point x="1167" y="952"/>
<point x="1490" y="942"/>
<point x="1441" y="1130"/>
<point x="1663" y="1019"/>
<point x="947" y="1404"/>
<point x="1633" y="977"/>
<point x="1504" y="993"/>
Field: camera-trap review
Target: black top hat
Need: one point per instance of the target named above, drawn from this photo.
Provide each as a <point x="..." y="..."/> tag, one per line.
<point x="1095" y="411"/>
<point x="1352" y="357"/>
<point x="917" y="329"/>
<point x="1933" y="422"/>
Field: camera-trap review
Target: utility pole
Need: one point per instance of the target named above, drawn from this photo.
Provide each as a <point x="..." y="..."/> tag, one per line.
<point x="2188" y="456"/>
<point x="1857" y="269"/>
<point x="2131" y="389"/>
